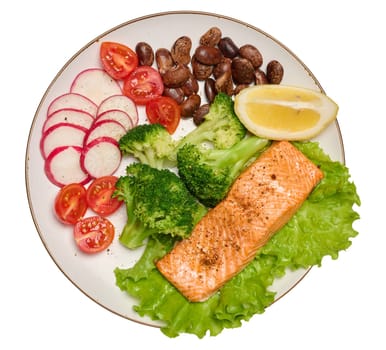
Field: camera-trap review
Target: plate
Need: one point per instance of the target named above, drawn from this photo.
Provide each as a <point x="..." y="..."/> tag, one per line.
<point x="93" y="274"/>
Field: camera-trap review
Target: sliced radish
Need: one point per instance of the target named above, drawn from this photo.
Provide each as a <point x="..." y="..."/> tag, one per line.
<point x="62" y="134"/>
<point x="95" y="84"/>
<point x="72" y="100"/>
<point x="62" y="166"/>
<point x="119" y="116"/>
<point x="122" y="103"/>
<point x="101" y="157"/>
<point x="108" y="128"/>
<point x="69" y="115"/>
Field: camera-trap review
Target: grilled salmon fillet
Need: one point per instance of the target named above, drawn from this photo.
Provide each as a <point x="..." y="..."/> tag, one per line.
<point x="262" y="200"/>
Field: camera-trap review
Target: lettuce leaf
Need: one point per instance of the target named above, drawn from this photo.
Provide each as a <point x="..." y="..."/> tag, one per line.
<point x="323" y="226"/>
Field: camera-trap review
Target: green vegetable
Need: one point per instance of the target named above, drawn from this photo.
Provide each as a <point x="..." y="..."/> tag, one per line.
<point x="157" y="202"/>
<point x="221" y="126"/>
<point x="151" y="144"/>
<point x="322" y="226"/>
<point x="208" y="173"/>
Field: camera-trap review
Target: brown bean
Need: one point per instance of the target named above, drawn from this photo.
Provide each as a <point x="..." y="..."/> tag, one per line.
<point x="222" y="67"/>
<point x="228" y="47"/>
<point x="200" y="113"/>
<point x="240" y="87"/>
<point x="176" y="76"/>
<point x="190" y="105"/>
<point x="176" y="94"/>
<point x="252" y="54"/>
<point x="211" y="37"/>
<point x="164" y="60"/>
<point x="210" y="89"/>
<point x="275" y="72"/>
<point x="145" y="54"/>
<point x="181" y="50"/>
<point x="201" y="71"/>
<point x="260" y="77"/>
<point x="191" y="85"/>
<point x="208" y="55"/>
<point x="225" y="84"/>
<point x="242" y="71"/>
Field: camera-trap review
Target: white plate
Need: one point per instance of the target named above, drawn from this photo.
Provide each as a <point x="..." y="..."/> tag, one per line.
<point x="93" y="275"/>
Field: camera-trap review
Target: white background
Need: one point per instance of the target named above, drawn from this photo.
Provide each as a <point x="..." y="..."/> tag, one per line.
<point x="340" y="305"/>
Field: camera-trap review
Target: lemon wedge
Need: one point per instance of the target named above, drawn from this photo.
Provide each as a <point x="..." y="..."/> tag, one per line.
<point x="282" y="112"/>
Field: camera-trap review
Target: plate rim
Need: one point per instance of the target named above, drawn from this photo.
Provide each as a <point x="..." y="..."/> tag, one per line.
<point x="85" y="47"/>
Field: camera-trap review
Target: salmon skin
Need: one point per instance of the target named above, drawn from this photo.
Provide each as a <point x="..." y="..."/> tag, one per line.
<point x="261" y="201"/>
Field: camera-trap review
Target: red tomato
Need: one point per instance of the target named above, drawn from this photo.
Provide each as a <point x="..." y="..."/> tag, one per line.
<point x="143" y="84"/>
<point x="165" y="111"/>
<point x="99" y="196"/>
<point x="93" y="234"/>
<point x="118" y="60"/>
<point x="70" y="203"/>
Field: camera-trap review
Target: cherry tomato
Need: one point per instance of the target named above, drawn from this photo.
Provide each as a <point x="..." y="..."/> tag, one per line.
<point x="99" y="196"/>
<point x="70" y="203"/>
<point x="143" y="84"/>
<point x="118" y="60"/>
<point x="165" y="111"/>
<point x="93" y="234"/>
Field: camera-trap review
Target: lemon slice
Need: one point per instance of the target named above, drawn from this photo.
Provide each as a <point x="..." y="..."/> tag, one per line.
<point x="280" y="112"/>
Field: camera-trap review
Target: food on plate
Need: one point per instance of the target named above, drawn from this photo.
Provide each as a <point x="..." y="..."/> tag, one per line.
<point x="95" y="84"/>
<point x="280" y="112"/>
<point x="151" y="144"/>
<point x="157" y="202"/>
<point x="70" y="203"/>
<point x="99" y="196"/>
<point x="143" y="84"/>
<point x="165" y="111"/>
<point x="259" y="203"/>
<point x="93" y="234"/>
<point x="208" y="173"/>
<point x="73" y="101"/>
<point x="118" y="60"/>
<point x="221" y="127"/>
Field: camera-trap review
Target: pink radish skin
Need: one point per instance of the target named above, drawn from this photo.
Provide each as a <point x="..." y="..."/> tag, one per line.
<point x="73" y="101"/>
<point x="62" y="166"/>
<point x="69" y="115"/>
<point x="101" y="157"/>
<point x="122" y="103"/>
<point x="117" y="115"/>
<point x="62" y="134"/>
<point x="105" y="128"/>
<point x="95" y="84"/>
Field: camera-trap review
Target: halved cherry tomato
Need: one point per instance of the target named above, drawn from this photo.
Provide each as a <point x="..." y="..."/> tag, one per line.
<point x="165" y="111"/>
<point x="70" y="203"/>
<point x="118" y="60"/>
<point x="143" y="84"/>
<point x="93" y="234"/>
<point x="99" y="195"/>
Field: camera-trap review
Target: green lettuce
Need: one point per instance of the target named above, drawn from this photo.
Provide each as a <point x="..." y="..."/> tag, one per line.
<point x="323" y="226"/>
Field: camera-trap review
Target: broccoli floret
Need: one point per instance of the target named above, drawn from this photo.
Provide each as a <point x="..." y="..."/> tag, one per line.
<point x="209" y="173"/>
<point x="151" y="144"/>
<point x="157" y="202"/>
<point x="221" y="126"/>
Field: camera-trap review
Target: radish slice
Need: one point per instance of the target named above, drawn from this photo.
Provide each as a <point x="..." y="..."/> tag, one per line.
<point x="117" y="115"/>
<point x="72" y="100"/>
<point x="108" y="128"/>
<point x="95" y="84"/>
<point x="62" y="134"/>
<point x="101" y="157"/>
<point x="122" y="103"/>
<point x="62" y="166"/>
<point x="69" y="115"/>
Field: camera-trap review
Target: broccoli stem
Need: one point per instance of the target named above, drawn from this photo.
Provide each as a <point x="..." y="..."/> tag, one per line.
<point x="239" y="155"/>
<point x="134" y="233"/>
